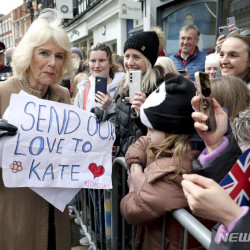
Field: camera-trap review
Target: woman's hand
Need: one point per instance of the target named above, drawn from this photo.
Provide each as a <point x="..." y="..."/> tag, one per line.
<point x="187" y="76"/>
<point x="219" y="43"/>
<point x="209" y="200"/>
<point x="139" y="99"/>
<point x="104" y="100"/>
<point x="212" y="139"/>
<point x="136" y="178"/>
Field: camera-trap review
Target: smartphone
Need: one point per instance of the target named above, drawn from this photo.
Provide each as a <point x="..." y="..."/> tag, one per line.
<point x="223" y="30"/>
<point x="135" y="79"/>
<point x="206" y="104"/>
<point x="182" y="72"/>
<point x="231" y="21"/>
<point x="101" y="84"/>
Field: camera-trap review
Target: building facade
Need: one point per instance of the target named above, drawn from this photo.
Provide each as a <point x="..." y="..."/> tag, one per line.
<point x="104" y="21"/>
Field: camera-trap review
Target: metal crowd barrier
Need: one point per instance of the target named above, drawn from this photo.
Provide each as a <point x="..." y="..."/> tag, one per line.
<point x="98" y="212"/>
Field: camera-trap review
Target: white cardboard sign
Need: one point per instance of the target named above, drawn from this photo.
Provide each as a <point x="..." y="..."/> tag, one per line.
<point x="57" y="145"/>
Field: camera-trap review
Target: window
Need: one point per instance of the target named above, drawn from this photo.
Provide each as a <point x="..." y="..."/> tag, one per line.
<point x="191" y="14"/>
<point x="25" y="25"/>
<point x="20" y="29"/>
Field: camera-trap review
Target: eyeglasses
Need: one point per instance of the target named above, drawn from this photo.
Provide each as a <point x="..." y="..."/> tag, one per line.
<point x="244" y="32"/>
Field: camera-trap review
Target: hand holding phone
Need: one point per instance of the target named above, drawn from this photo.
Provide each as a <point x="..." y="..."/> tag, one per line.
<point x="135" y="82"/>
<point x="206" y="102"/>
<point x="101" y="84"/>
<point x="223" y="30"/>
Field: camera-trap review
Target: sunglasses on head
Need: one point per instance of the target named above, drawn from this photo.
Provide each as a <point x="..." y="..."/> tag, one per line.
<point x="244" y="32"/>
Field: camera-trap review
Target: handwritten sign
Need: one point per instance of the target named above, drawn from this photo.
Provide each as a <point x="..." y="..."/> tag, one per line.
<point x="57" y="145"/>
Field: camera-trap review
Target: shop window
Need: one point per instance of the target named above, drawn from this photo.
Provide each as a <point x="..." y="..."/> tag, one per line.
<point x="203" y="15"/>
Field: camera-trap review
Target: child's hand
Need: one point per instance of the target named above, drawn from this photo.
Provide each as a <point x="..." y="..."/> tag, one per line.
<point x="137" y="176"/>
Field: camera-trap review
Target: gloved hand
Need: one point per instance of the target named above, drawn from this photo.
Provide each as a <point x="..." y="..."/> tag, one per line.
<point x="6" y="128"/>
<point x="98" y="112"/>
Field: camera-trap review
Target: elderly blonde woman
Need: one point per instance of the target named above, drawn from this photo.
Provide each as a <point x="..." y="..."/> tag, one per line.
<point x="40" y="60"/>
<point x="212" y="64"/>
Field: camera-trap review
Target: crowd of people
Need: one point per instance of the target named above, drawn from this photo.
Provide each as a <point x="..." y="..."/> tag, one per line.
<point x="174" y="160"/>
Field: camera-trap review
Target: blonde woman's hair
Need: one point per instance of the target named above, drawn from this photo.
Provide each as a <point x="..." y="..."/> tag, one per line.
<point x="78" y="78"/>
<point x="149" y="79"/>
<point x="44" y="28"/>
<point x="231" y="93"/>
<point x="179" y="143"/>
<point x="167" y="64"/>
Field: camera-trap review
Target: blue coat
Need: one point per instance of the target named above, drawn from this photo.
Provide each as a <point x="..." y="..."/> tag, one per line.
<point x="195" y="63"/>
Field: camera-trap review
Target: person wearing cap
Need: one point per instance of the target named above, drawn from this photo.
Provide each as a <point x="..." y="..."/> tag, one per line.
<point x="189" y="57"/>
<point x="5" y="71"/>
<point x="140" y="53"/>
<point x="77" y="57"/>
<point x="156" y="164"/>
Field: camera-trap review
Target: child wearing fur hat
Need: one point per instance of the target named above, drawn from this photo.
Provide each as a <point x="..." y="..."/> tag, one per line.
<point x="157" y="162"/>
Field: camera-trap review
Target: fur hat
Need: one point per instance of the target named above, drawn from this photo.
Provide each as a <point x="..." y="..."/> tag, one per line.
<point x="168" y="108"/>
<point x="146" y="42"/>
<point x="77" y="51"/>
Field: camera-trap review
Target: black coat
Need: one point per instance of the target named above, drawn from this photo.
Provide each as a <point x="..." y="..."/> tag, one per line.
<point x="128" y="127"/>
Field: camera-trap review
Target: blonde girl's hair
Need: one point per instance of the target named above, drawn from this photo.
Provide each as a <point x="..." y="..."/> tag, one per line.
<point x="180" y="145"/>
<point x="149" y="79"/>
<point x="78" y="78"/>
<point x="167" y="64"/>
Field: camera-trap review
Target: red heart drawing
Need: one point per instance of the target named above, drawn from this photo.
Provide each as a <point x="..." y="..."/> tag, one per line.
<point x="96" y="171"/>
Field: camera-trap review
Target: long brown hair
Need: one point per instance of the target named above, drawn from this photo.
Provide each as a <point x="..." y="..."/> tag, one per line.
<point x="178" y="143"/>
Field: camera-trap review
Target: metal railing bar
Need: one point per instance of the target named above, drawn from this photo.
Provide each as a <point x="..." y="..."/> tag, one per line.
<point x="193" y="226"/>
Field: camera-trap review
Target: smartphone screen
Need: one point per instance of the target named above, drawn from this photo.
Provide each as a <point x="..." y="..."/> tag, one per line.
<point x="182" y="72"/>
<point x="206" y="103"/>
<point x="101" y="84"/>
<point x="135" y="78"/>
